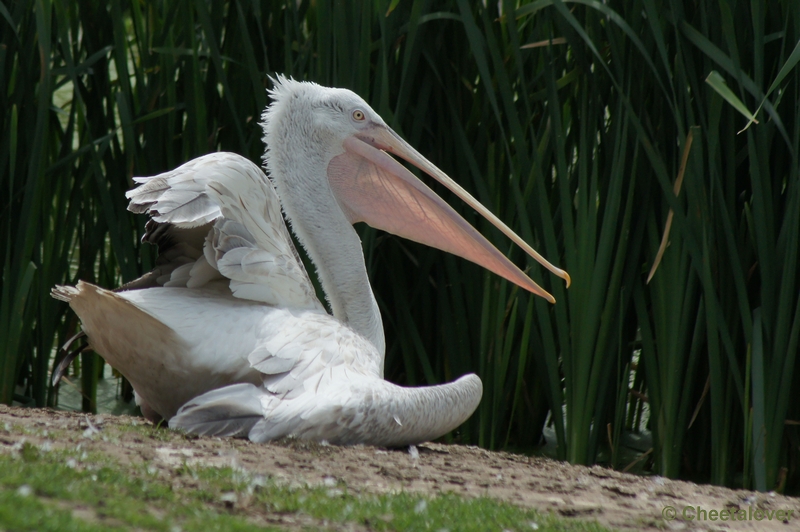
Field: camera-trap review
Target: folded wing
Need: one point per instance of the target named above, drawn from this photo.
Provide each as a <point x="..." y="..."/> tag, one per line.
<point x="216" y="218"/>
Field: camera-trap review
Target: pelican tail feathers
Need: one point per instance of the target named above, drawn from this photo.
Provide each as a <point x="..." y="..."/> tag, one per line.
<point x="120" y="332"/>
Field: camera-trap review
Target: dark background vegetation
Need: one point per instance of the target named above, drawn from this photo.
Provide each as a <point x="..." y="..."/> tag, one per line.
<point x="574" y="121"/>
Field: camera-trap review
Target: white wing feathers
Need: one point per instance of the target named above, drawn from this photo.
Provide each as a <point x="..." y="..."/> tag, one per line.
<point x="229" y="411"/>
<point x="304" y="351"/>
<point x="232" y="201"/>
<point x="179" y="196"/>
<point x="218" y="217"/>
<point x="310" y="364"/>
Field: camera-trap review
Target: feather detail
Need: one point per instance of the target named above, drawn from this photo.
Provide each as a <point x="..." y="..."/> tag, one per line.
<point x="229" y="411"/>
<point x="364" y="410"/>
<point x="217" y="217"/>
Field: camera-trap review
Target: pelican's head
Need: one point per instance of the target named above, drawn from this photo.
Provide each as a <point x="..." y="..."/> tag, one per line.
<point x="306" y="114"/>
<point x="322" y="137"/>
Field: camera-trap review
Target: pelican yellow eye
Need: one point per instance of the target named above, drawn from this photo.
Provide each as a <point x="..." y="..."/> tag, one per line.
<point x="358" y="115"/>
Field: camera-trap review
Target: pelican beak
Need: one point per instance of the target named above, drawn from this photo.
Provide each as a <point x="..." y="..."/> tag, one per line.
<point x="372" y="187"/>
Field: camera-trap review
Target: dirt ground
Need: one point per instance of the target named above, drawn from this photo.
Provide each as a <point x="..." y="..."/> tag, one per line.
<point x="618" y="500"/>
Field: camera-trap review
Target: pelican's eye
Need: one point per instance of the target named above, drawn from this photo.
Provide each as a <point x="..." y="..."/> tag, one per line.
<point x="358" y="115"/>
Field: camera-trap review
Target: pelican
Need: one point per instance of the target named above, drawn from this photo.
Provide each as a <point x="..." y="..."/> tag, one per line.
<point x="226" y="335"/>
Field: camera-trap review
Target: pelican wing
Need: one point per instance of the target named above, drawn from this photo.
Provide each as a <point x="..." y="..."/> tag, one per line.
<point x="230" y="411"/>
<point x="321" y="381"/>
<point x="218" y="217"/>
<point x="308" y="363"/>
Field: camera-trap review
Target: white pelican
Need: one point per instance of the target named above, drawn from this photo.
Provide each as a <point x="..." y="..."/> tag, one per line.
<point x="226" y="336"/>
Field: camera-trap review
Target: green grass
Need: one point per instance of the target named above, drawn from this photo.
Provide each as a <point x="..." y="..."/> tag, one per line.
<point x="63" y="491"/>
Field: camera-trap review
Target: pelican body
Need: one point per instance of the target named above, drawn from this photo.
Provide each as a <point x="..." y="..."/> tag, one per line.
<point x="226" y="335"/>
